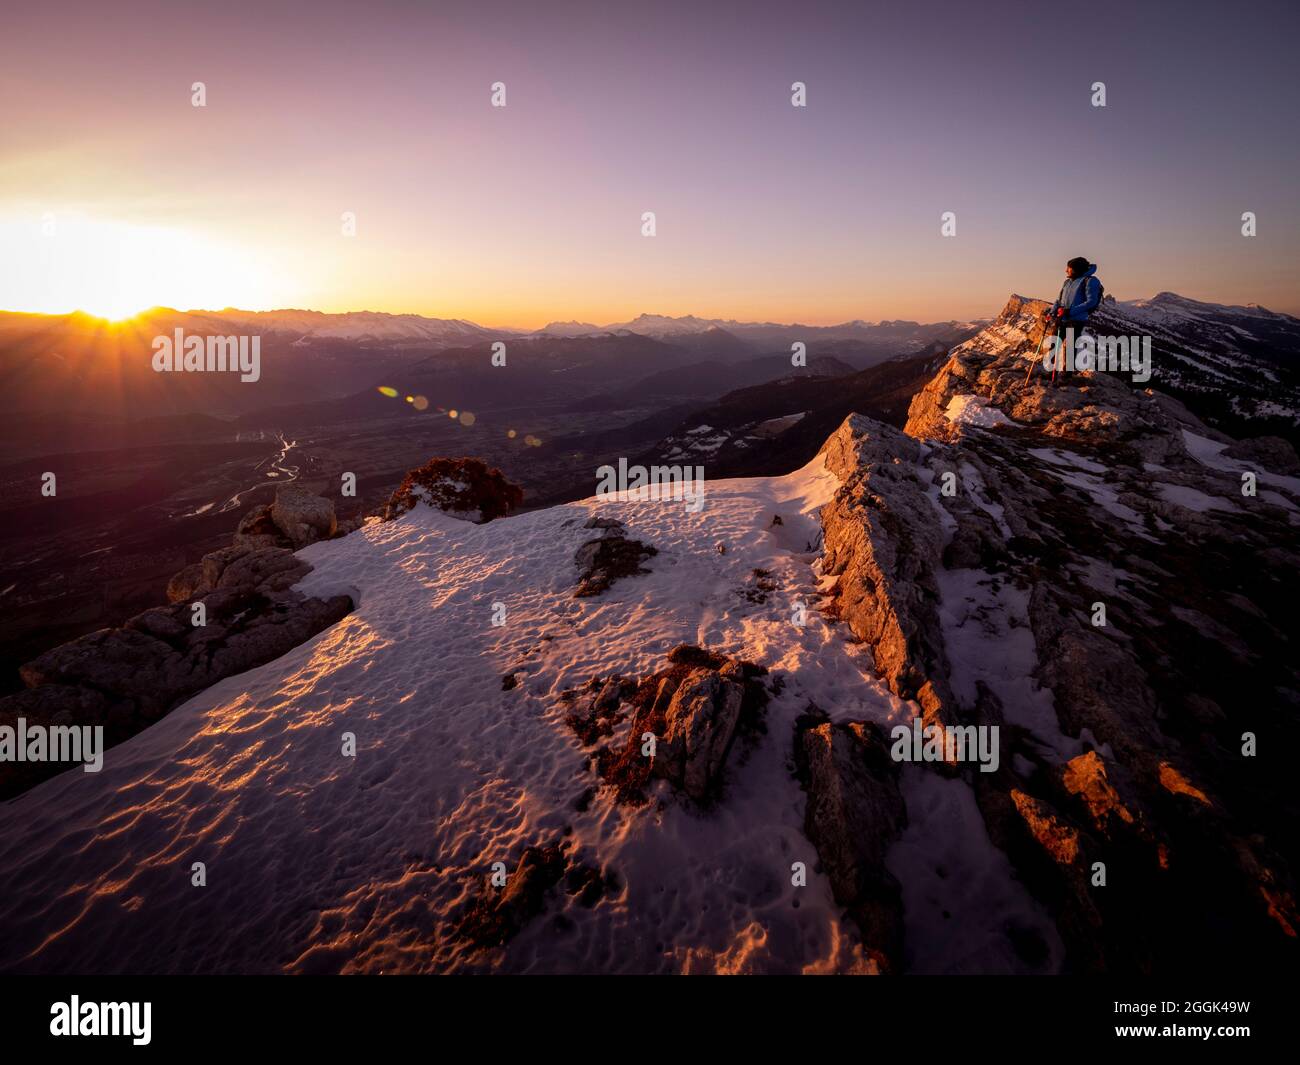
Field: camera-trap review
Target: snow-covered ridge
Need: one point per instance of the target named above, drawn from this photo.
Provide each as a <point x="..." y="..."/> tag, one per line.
<point x="318" y="862"/>
<point x="950" y="573"/>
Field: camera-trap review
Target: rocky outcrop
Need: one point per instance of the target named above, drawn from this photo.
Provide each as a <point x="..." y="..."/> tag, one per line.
<point x="699" y="724"/>
<point x="593" y="712"/>
<point x="125" y="679"/>
<point x="296" y="518"/>
<point x="263" y="546"/>
<point x="496" y="915"/>
<point x="464" y="488"/>
<point x="608" y="558"/>
<point x="230" y="612"/>
<point x="883" y="544"/>
<point x="258" y="529"/>
<point x="855" y="813"/>
<point x="1078" y="562"/>
<point x="303" y="517"/>
<point x="692" y="711"/>
<point x="993" y="369"/>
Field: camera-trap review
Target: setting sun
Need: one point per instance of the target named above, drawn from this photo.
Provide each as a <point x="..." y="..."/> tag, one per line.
<point x="115" y="269"/>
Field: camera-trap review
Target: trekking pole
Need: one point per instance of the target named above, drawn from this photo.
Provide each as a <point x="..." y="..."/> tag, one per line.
<point x="1059" y="361"/>
<point x="1037" y="354"/>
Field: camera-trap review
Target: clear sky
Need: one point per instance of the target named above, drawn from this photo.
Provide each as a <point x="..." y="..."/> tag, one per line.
<point x="116" y="193"/>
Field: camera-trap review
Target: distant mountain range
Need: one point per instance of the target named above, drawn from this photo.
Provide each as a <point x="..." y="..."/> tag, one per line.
<point x="80" y="365"/>
<point x="59" y="367"/>
<point x="380" y="328"/>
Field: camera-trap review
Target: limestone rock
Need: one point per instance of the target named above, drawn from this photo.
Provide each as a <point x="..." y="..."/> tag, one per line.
<point x="855" y="812"/>
<point x="884" y="544"/>
<point x="608" y="558"/>
<point x="258" y="528"/>
<point x="303" y="518"/>
<point x="700" y="721"/>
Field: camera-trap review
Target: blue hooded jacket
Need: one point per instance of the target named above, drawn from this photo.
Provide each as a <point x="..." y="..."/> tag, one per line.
<point x="1079" y="296"/>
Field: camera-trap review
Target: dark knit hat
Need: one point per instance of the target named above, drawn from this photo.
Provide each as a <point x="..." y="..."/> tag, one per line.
<point x="1079" y="263"/>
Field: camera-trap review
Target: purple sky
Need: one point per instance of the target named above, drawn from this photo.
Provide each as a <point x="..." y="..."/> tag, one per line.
<point x="521" y="215"/>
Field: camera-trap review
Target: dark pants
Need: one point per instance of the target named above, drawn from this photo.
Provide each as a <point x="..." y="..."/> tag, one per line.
<point x="1058" y="328"/>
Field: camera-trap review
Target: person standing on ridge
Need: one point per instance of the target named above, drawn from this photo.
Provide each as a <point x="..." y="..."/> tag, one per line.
<point x="1080" y="296"/>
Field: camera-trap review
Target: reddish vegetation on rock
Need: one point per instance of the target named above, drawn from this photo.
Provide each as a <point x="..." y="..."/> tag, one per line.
<point x="463" y="487"/>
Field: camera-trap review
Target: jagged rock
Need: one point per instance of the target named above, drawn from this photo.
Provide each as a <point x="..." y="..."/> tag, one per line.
<point x="593" y="711"/>
<point x="126" y="678"/>
<point x="855" y="813"/>
<point x="1086" y="778"/>
<point x="1056" y="837"/>
<point x="260" y="637"/>
<point x="352" y="524"/>
<point x="696" y="708"/>
<point x="301" y="516"/>
<point x="699" y="723"/>
<point x="129" y="663"/>
<point x="494" y="920"/>
<point x="164" y="622"/>
<point x="1082" y="407"/>
<point x="1069" y="498"/>
<point x="56" y="704"/>
<point x="258" y="528"/>
<point x="883" y="543"/>
<point x="608" y="558"/>
<point x="243" y="569"/>
<point x="464" y="488"/>
<point x="158" y="658"/>
<point x="495" y="917"/>
<point x="186" y="584"/>
<point x="1092" y="677"/>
